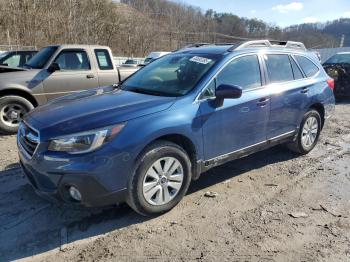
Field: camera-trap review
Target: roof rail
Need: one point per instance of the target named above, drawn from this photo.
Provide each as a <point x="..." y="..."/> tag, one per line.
<point x="271" y="43"/>
<point x="298" y="45"/>
<point x="194" y="45"/>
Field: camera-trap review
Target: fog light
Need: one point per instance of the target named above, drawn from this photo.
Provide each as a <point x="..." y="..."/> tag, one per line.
<point x="74" y="193"/>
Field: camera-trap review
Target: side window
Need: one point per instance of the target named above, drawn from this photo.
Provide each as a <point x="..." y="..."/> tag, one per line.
<point x="296" y="71"/>
<point x="28" y="57"/>
<point x="243" y="72"/>
<point x="73" y="60"/>
<point x="12" y="61"/>
<point x="309" y="68"/>
<point x="103" y="59"/>
<point x="279" y="68"/>
<point x="209" y="91"/>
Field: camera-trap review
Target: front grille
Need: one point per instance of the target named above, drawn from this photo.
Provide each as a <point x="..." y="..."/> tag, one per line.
<point x="28" y="138"/>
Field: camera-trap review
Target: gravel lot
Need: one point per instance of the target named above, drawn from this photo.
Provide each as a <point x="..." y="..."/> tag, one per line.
<point x="251" y="218"/>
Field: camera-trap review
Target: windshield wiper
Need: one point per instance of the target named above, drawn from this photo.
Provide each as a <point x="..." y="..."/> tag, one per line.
<point x="148" y="92"/>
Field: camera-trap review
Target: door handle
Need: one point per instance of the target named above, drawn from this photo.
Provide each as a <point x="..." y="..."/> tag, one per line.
<point x="262" y="102"/>
<point x="304" y="90"/>
<point x="90" y="76"/>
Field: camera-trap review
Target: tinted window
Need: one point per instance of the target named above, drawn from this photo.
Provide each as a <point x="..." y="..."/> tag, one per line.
<point x="171" y="75"/>
<point x="338" y="59"/>
<point x="73" y="60"/>
<point x="279" y="68"/>
<point x="309" y="68"/>
<point x="103" y="59"/>
<point x="40" y="59"/>
<point x="296" y="71"/>
<point x="243" y="72"/>
<point x="209" y="91"/>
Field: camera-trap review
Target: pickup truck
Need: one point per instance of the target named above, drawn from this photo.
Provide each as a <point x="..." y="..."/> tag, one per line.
<point x="55" y="71"/>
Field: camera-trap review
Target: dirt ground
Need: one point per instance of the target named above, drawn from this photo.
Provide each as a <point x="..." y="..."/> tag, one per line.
<point x="251" y="219"/>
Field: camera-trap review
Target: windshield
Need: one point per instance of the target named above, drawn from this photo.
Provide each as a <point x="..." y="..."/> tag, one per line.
<point x="130" y="62"/>
<point x="171" y="75"/>
<point x="39" y="60"/>
<point x="339" y="59"/>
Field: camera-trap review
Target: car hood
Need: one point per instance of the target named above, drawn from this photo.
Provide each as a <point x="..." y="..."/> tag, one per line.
<point x="22" y="76"/>
<point x="6" y="69"/>
<point x="92" y="109"/>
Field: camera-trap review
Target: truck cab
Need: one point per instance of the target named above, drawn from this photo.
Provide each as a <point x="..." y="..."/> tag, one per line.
<point x="55" y="71"/>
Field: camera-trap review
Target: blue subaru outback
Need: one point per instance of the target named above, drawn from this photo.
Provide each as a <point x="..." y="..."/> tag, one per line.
<point x="144" y="140"/>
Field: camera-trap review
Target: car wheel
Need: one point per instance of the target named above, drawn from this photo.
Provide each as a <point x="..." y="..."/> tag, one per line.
<point x="161" y="179"/>
<point x="12" y="110"/>
<point x="308" y="134"/>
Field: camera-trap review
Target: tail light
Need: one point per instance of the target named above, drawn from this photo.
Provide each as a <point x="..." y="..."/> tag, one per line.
<point x="330" y="83"/>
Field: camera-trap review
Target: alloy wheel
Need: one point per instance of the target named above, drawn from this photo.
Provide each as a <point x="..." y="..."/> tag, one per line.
<point x="163" y="181"/>
<point x="310" y="131"/>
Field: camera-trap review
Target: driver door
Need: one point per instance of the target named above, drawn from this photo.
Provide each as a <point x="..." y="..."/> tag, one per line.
<point x="234" y="124"/>
<point x="75" y="74"/>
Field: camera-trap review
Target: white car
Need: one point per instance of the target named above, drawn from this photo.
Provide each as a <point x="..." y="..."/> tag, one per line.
<point x="153" y="56"/>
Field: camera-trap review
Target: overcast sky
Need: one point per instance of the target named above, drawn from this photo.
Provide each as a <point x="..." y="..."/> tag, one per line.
<point x="279" y="12"/>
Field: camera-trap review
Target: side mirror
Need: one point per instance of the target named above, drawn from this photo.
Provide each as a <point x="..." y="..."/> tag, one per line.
<point x="228" y="91"/>
<point x="53" y="67"/>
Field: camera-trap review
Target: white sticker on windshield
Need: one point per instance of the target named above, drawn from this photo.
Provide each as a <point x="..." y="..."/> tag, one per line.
<point x="201" y="60"/>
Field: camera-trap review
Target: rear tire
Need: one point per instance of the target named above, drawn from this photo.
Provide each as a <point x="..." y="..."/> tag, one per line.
<point x="161" y="179"/>
<point x="12" y="109"/>
<point x="309" y="132"/>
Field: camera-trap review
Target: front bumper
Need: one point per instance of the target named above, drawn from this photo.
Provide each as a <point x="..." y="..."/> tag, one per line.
<point x="101" y="177"/>
<point x="55" y="188"/>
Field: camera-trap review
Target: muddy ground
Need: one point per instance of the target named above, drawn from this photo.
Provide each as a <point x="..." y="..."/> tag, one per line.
<point x="251" y="219"/>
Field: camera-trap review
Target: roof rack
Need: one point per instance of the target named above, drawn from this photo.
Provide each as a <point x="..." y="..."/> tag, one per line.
<point x="270" y="43"/>
<point x="254" y="43"/>
<point x="194" y="45"/>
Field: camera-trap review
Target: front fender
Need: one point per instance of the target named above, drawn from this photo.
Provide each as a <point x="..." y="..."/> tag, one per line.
<point x="24" y="81"/>
<point x="178" y="120"/>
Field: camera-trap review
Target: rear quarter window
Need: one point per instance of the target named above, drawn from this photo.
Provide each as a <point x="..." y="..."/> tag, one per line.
<point x="296" y="71"/>
<point x="103" y="59"/>
<point x="309" y="68"/>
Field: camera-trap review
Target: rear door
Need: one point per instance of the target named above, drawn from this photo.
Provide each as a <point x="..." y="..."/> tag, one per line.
<point x="75" y="74"/>
<point x="287" y="89"/>
<point x="107" y="74"/>
<point x="235" y="124"/>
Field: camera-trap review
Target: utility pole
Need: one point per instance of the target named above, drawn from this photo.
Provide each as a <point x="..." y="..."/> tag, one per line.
<point x="342" y="41"/>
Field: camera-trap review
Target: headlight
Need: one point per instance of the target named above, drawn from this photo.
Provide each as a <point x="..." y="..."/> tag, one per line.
<point x="86" y="141"/>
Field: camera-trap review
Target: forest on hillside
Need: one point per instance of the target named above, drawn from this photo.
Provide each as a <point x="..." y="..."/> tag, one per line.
<point x="136" y="27"/>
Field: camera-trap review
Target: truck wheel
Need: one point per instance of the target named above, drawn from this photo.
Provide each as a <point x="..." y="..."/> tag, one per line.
<point x="309" y="133"/>
<point x="161" y="179"/>
<point x="12" y="109"/>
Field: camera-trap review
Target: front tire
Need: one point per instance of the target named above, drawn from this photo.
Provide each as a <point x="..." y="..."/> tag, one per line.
<point x="309" y="132"/>
<point x="12" y="110"/>
<point x="161" y="179"/>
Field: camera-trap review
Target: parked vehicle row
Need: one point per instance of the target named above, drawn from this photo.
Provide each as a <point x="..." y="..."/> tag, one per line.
<point x="144" y="141"/>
